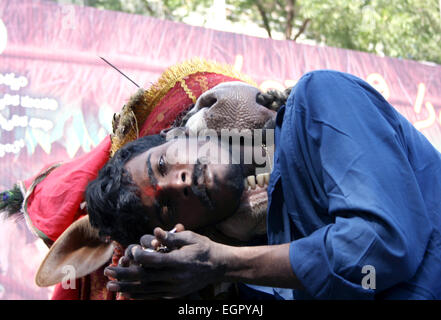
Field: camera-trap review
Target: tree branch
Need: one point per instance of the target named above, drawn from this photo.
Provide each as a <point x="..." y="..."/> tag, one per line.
<point x="290" y="15"/>
<point x="265" y="20"/>
<point x="149" y="8"/>
<point x="302" y="28"/>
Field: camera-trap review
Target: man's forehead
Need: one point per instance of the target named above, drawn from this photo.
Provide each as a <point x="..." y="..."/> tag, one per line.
<point x="137" y="167"/>
<point x="142" y="157"/>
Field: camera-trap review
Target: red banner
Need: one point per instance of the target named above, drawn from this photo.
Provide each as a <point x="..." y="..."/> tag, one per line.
<point x="57" y="98"/>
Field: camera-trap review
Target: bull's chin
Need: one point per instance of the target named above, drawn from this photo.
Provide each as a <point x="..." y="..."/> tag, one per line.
<point x="249" y="220"/>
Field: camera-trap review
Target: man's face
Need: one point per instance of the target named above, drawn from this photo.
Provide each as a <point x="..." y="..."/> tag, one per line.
<point x="178" y="191"/>
<point x="181" y="187"/>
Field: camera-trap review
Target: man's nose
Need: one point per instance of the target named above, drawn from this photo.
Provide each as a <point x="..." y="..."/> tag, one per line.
<point x="180" y="182"/>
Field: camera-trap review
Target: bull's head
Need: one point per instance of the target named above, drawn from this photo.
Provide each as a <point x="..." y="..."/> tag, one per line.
<point x="232" y="105"/>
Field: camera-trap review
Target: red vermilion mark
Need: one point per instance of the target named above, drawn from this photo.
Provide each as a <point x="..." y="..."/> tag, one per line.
<point x="152" y="191"/>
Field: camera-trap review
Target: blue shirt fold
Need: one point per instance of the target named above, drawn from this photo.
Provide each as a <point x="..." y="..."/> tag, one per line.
<point x="355" y="187"/>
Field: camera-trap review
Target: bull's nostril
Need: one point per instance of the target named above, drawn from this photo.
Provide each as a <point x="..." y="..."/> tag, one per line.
<point x="208" y="101"/>
<point x="186" y="192"/>
<point x="183" y="177"/>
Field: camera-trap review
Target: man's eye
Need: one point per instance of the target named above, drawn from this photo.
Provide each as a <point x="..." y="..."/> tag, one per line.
<point x="162" y="166"/>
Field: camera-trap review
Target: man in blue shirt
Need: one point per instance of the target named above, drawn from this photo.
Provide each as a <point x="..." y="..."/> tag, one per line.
<point x="354" y="209"/>
<point x="357" y="185"/>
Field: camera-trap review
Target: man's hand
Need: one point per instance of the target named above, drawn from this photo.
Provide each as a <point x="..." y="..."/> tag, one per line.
<point x="193" y="262"/>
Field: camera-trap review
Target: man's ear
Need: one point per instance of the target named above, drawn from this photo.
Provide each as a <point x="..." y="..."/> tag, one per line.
<point x="79" y="248"/>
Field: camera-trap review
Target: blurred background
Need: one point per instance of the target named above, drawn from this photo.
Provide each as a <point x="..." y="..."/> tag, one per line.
<point x="57" y="97"/>
<point x="409" y="29"/>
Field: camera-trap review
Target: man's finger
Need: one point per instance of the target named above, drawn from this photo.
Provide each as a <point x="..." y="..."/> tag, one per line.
<point x="128" y="251"/>
<point x="155" y="243"/>
<point x="174" y="240"/>
<point x="146" y="241"/>
<point x="124" y="261"/>
<point x="120" y="286"/>
<point x="153" y="259"/>
<point x="131" y="273"/>
<point x="151" y="242"/>
<point x="179" y="227"/>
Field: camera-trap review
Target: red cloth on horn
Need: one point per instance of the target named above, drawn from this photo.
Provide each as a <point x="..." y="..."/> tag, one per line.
<point x="55" y="202"/>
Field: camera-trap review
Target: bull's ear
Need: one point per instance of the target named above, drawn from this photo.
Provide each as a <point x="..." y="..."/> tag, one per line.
<point x="78" y="249"/>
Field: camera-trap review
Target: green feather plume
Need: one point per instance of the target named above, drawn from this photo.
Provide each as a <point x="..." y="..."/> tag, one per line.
<point x="11" y="201"/>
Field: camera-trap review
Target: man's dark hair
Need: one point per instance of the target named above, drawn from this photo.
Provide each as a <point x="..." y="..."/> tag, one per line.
<point x="113" y="199"/>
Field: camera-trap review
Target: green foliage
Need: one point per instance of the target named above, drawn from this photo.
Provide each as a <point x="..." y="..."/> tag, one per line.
<point x="409" y="29"/>
<point x="164" y="9"/>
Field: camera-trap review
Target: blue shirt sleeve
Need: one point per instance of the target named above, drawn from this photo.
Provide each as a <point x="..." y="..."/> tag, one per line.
<point x="379" y="215"/>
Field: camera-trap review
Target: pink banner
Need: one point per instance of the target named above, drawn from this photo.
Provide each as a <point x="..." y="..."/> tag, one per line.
<point x="57" y="98"/>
